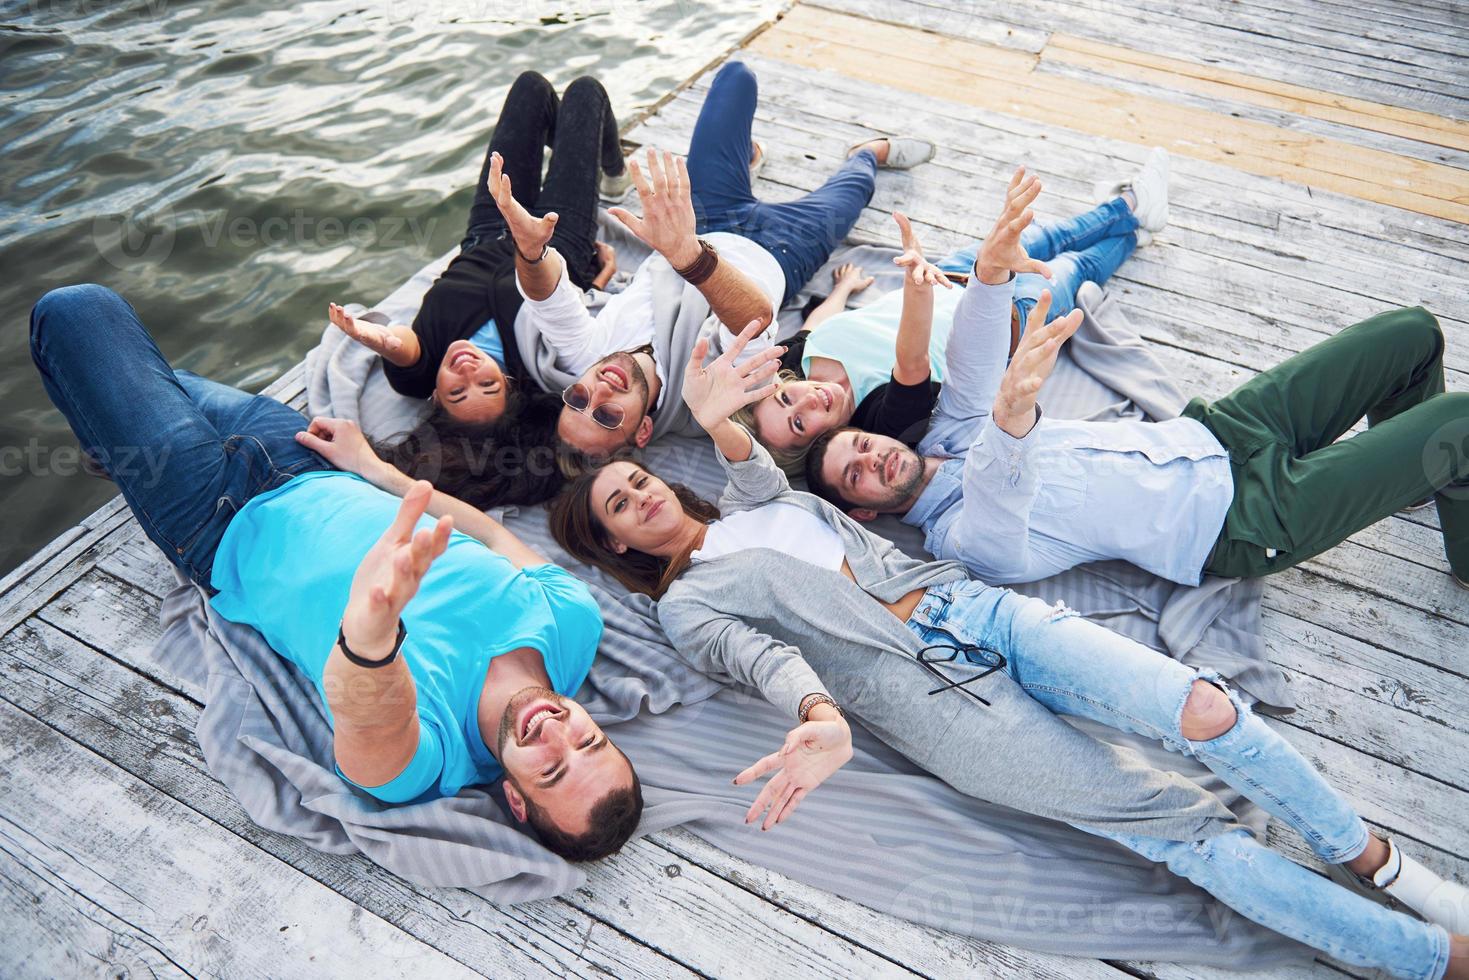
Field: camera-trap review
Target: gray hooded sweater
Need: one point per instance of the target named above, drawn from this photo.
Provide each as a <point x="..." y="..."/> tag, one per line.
<point x="790" y="628"/>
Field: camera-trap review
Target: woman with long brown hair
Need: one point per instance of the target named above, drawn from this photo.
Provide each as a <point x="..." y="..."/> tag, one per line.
<point x="779" y="590"/>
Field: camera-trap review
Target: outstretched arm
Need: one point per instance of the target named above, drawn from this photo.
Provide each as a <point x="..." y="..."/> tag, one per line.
<point x="717" y="390"/>
<point x="723" y="646"/>
<point x="667" y="226"/>
<point x="375" y="726"/>
<point x="915" y="325"/>
<point x="341" y="443"/>
<point x="537" y="267"/>
<point x="980" y="340"/>
<point x="394" y="343"/>
<point x="994" y="539"/>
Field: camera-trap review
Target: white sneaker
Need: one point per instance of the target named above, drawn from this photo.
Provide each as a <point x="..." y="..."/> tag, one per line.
<point x="1150" y="187"/>
<point x="904" y="152"/>
<point x="1403" y="882"/>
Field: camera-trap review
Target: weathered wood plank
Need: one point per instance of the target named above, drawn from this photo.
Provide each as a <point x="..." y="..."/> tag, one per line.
<point x="55" y="930"/>
<point x="850" y="101"/>
<point x="219" y="905"/>
<point x="147" y="730"/>
<point x="1222" y="83"/>
<point x="967" y="72"/>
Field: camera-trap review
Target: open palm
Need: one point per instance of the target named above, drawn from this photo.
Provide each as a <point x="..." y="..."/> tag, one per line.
<point x="1003" y="252"/>
<point x="531" y="234"/>
<point x="812" y="753"/>
<point x="391" y="571"/>
<point x="717" y="390"/>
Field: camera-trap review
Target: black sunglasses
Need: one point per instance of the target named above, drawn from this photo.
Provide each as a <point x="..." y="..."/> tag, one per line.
<point x="578" y="396"/>
<point x="931" y="660"/>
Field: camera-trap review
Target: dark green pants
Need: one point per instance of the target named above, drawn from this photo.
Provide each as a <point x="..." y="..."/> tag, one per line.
<point x="1297" y="490"/>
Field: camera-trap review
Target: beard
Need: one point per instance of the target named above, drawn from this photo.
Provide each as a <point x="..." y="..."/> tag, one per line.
<point x="901" y="490"/>
<point x="506" y="732"/>
<point x="637" y="378"/>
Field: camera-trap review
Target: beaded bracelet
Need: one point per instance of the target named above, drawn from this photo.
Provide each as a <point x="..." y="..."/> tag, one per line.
<point x="810" y="701"/>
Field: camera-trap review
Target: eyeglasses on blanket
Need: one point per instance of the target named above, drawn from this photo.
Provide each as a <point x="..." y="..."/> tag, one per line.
<point x="578" y="396"/>
<point x="930" y="662"/>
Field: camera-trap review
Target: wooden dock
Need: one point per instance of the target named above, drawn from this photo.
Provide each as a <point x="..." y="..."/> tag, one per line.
<point x="1321" y="174"/>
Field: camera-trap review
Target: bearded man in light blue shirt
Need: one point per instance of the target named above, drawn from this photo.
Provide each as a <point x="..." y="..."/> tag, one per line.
<point x="1244" y="486"/>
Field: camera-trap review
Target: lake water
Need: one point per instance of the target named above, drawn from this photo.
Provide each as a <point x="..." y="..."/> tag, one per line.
<point x="229" y="168"/>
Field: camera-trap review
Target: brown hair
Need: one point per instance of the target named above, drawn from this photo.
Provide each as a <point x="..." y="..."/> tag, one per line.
<point x="815" y="459"/>
<point x="613" y="819"/>
<point x="789" y="460"/>
<point x="513" y="460"/>
<point x="576" y="528"/>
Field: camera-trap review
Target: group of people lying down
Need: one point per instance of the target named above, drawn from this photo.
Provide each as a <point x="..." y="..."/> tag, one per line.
<point x="458" y="649"/>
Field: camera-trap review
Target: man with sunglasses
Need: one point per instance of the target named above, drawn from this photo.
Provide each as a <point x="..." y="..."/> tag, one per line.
<point x="722" y="260"/>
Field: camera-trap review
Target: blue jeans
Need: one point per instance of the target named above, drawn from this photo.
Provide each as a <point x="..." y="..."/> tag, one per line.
<point x="801" y="234"/>
<point x="186" y="453"/>
<point x="1075" y="667"/>
<point x="1086" y="248"/>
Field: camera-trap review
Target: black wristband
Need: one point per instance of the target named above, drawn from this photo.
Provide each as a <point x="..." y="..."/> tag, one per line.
<point x="527" y="259"/>
<point x="363" y="661"/>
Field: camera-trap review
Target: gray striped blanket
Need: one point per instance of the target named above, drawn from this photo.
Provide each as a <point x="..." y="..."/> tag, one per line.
<point x="880" y="832"/>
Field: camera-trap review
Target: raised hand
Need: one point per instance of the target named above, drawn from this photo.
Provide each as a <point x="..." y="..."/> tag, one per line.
<point x="667" y="225"/>
<point x="531" y="234"/>
<point x="390" y="573"/>
<point x="1031" y="366"/>
<point x="717" y="390"/>
<point x="379" y="339"/>
<point x="921" y="272"/>
<point x="1002" y="252"/>
<point x="341" y="443"/>
<point x="850" y="279"/>
<point x="810" y="755"/>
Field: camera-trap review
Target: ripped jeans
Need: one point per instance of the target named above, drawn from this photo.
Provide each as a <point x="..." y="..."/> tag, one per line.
<point x="1076" y="667"/>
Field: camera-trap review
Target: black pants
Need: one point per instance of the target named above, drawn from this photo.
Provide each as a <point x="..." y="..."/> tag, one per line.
<point x="581" y="130"/>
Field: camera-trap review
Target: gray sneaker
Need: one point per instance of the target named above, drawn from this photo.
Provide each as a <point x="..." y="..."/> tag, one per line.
<point x="904" y="152"/>
<point x="614" y="187"/>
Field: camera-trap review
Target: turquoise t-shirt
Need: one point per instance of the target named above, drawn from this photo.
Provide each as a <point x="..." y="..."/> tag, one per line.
<point x="865" y="341"/>
<point x="487" y="338"/>
<point x="285" y="567"/>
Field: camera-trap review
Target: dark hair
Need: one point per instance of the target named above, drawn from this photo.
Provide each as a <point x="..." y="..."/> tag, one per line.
<point x="815" y="457"/>
<point x="612" y="820"/>
<point x="577" y="529"/>
<point x="512" y="460"/>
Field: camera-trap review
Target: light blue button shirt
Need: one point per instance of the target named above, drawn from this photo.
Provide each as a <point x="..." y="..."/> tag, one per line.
<point x="1017" y="510"/>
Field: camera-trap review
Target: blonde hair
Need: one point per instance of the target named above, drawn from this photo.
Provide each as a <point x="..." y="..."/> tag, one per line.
<point x="789" y="460"/>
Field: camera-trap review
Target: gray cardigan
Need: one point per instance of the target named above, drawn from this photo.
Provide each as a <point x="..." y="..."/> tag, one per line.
<point x="788" y="628"/>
